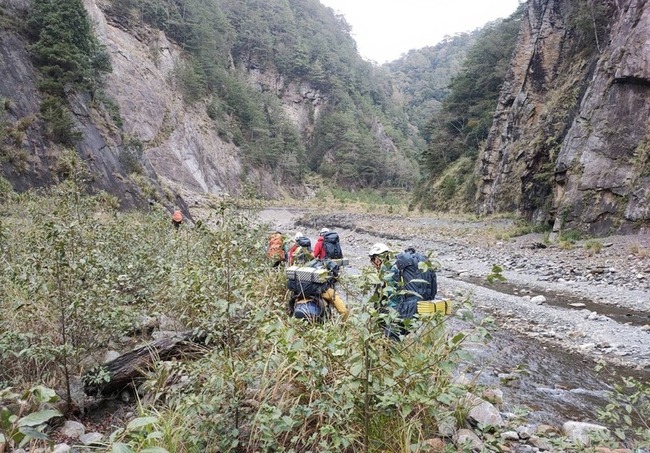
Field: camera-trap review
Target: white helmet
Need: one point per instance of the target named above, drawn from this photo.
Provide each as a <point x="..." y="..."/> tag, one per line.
<point x="378" y="249"/>
<point x="298" y="236"/>
<point x="324" y="230"/>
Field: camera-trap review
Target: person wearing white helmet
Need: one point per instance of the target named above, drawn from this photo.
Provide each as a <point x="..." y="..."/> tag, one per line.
<point x="386" y="293"/>
<point x="379" y="254"/>
<point x="300" y="251"/>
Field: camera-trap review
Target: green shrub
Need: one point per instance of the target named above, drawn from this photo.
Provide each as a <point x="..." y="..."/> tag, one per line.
<point x="593" y="246"/>
<point x="59" y="124"/>
<point x="65" y="48"/>
<point x="24" y="417"/>
<point x="131" y="155"/>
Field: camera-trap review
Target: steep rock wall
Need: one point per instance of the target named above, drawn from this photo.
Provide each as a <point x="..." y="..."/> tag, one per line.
<point x="603" y="169"/>
<point x="29" y="160"/>
<point x="568" y="145"/>
<point x="181" y="145"/>
<point x="181" y="142"/>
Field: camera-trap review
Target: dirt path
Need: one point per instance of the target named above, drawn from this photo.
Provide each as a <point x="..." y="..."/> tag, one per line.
<point x="597" y="305"/>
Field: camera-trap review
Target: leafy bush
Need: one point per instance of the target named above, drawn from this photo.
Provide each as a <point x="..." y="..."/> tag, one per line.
<point x="77" y="274"/>
<point x="593" y="246"/>
<point x="59" y="124"/>
<point x="277" y="384"/>
<point x="131" y="155"/>
<point x="23" y="417"/>
<point x="629" y="404"/>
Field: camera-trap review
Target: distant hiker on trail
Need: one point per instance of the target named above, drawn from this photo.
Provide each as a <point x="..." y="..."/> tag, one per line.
<point x="276" y="249"/>
<point x="406" y="287"/>
<point x="328" y="245"/>
<point x="300" y="252"/>
<point x="177" y="218"/>
<point x="313" y="291"/>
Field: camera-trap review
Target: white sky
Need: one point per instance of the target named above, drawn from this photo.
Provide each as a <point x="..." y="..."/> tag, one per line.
<point x="385" y="29"/>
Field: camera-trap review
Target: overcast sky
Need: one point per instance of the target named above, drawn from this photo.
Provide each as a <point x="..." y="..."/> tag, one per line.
<point x="385" y="29"/>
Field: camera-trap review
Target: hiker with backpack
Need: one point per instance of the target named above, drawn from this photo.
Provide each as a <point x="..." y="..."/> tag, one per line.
<point x="313" y="291"/>
<point x="328" y="245"/>
<point x="177" y="218"/>
<point x="276" y="249"/>
<point x="300" y="252"/>
<point x="407" y="287"/>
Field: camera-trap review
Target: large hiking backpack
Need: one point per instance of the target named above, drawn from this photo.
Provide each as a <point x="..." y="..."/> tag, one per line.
<point x="332" y="245"/>
<point x="414" y="279"/>
<point x="276" y="247"/>
<point x="304" y="241"/>
<point x="302" y="254"/>
<point x="313" y="279"/>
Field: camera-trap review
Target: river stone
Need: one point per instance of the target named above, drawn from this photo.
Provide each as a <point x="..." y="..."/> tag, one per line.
<point x="62" y="448"/>
<point x="485" y="413"/>
<point x="434" y="445"/>
<point x="525" y="431"/>
<point x="539" y="300"/>
<point x="539" y="443"/>
<point x="545" y="430"/>
<point x="446" y="426"/>
<point x="73" y="429"/>
<point x="509" y="435"/>
<point x="91" y="438"/>
<point x="467" y="437"/>
<point x="170" y="324"/>
<point x="109" y="356"/>
<point x="494" y="396"/>
<point x="461" y="380"/>
<point x="579" y="431"/>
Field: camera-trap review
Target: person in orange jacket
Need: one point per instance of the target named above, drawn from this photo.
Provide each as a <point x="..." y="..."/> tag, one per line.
<point x="177" y="218"/>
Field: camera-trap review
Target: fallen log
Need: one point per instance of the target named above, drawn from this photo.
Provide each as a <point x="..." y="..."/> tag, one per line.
<point x="129" y="369"/>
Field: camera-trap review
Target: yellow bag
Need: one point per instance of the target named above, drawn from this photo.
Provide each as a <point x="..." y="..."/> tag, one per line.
<point x="429" y="307"/>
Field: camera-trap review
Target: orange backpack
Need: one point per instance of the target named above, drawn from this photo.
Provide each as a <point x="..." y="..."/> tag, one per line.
<point x="276" y="249"/>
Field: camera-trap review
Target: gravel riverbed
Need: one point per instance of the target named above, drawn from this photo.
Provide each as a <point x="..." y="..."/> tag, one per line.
<point x="560" y="310"/>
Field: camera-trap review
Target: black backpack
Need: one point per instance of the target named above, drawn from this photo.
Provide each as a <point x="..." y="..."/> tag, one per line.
<point x="332" y="246"/>
<point x="306" y="283"/>
<point x="423" y="283"/>
<point x="304" y="241"/>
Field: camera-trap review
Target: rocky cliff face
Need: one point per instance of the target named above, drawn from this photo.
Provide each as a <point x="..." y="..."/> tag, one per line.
<point x="28" y="159"/>
<point x="570" y="142"/>
<point x="181" y="145"/>
<point x="180" y="142"/>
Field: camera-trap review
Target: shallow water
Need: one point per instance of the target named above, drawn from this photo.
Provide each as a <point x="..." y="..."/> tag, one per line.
<point x="553" y="386"/>
<point x="619" y="314"/>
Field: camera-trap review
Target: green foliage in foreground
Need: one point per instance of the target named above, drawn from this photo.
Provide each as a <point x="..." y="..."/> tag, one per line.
<point x="33" y="409"/>
<point x="78" y="277"/>
<point x="283" y="385"/>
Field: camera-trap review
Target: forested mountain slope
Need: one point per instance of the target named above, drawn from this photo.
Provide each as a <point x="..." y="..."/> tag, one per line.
<point x="421" y="77"/>
<point x="214" y="96"/>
